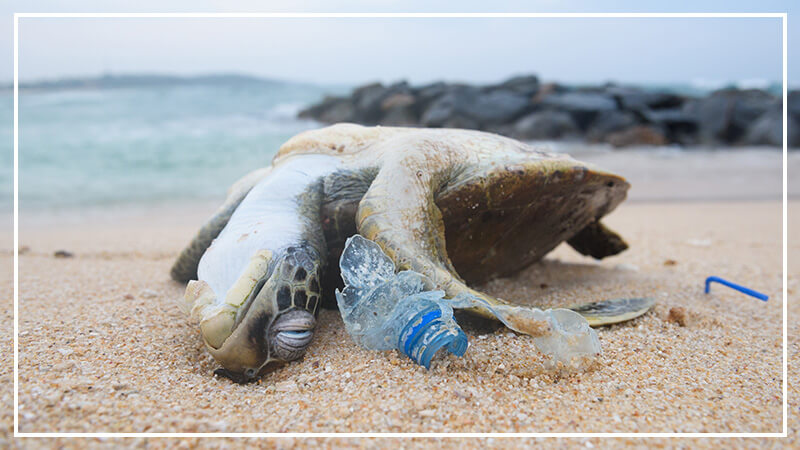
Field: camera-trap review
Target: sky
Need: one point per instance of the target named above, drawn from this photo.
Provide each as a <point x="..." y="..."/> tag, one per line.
<point x="353" y="51"/>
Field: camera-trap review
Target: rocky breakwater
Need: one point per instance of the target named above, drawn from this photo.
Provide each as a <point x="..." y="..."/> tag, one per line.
<point x="526" y="109"/>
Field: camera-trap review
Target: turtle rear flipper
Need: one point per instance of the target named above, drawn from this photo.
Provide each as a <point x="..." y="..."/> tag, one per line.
<point x="597" y="241"/>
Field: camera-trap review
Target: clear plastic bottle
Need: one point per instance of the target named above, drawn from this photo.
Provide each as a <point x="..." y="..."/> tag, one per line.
<point x="383" y="310"/>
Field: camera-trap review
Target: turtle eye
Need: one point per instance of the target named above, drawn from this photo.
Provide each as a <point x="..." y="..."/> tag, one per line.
<point x="291" y="334"/>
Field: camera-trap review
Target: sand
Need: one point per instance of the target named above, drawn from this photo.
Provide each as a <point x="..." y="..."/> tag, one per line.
<point x="104" y="346"/>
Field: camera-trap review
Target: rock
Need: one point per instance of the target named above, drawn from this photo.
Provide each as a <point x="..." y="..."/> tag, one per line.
<point x="447" y="107"/>
<point x="474" y="107"/>
<point x="679" y="125"/>
<point x="63" y="254"/>
<point x="399" y="100"/>
<point x="794" y="132"/>
<point x="767" y="130"/>
<point x="640" y="100"/>
<point x="426" y="95"/>
<point x="331" y="110"/>
<point x="546" y="124"/>
<point x="584" y="107"/>
<point x="525" y="85"/>
<point x="399" y="110"/>
<point x="495" y="107"/>
<point x="368" y="100"/>
<point x="748" y="107"/>
<point x="638" y="135"/>
<point x="610" y="122"/>
<point x="670" y="117"/>
<point x="678" y="315"/>
<point x="547" y="89"/>
<point x="725" y="115"/>
<point x="793" y="104"/>
<point x="525" y="108"/>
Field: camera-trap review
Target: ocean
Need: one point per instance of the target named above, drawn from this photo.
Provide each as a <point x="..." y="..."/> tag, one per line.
<point x="146" y="145"/>
<point x="153" y="145"/>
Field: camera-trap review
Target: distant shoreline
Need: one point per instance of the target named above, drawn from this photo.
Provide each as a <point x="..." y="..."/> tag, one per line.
<point x="112" y="81"/>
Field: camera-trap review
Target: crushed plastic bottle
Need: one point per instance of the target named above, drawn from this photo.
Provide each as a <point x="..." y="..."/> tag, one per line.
<point x="383" y="310"/>
<point x="563" y="335"/>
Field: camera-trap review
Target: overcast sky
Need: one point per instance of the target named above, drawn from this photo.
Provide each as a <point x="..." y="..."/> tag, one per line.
<point x="709" y="51"/>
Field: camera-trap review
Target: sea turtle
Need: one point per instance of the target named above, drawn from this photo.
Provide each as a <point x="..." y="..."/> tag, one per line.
<point x="458" y="206"/>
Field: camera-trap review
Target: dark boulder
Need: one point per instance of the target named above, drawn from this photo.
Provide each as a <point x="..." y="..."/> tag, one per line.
<point x="725" y="116"/>
<point x="670" y="117"/>
<point x="610" y="122"/>
<point x="368" y="100"/>
<point x="495" y="107"/>
<point x="640" y="100"/>
<point x="428" y="94"/>
<point x="679" y="125"/>
<point x="448" y="107"/>
<point x="793" y="104"/>
<point x="524" y="85"/>
<point x="399" y="109"/>
<point x="547" y="124"/>
<point x="480" y="107"/>
<point x="525" y="108"/>
<point x="767" y="130"/>
<point x="793" y="132"/>
<point x="584" y="107"/>
<point x="331" y="110"/>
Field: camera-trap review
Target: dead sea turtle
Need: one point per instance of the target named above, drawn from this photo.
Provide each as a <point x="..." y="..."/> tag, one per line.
<point x="458" y="206"/>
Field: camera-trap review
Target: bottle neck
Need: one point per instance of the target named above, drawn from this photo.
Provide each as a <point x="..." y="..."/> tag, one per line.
<point x="426" y="333"/>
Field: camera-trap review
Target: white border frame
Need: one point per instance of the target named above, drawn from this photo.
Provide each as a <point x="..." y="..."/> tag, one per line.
<point x="17" y="16"/>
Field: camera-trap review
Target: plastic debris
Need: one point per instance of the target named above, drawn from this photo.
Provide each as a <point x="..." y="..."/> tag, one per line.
<point x="563" y="335"/>
<point x="735" y="286"/>
<point x="383" y="310"/>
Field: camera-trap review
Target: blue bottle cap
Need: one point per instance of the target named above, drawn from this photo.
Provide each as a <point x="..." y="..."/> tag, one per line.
<point x="427" y="333"/>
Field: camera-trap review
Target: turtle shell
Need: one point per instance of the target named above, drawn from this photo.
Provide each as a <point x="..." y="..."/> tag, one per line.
<point x="503" y="219"/>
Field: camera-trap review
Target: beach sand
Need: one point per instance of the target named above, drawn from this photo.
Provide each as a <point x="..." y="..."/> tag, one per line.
<point x="104" y="347"/>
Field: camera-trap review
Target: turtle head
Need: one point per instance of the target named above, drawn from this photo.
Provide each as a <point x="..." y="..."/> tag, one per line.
<point x="268" y="315"/>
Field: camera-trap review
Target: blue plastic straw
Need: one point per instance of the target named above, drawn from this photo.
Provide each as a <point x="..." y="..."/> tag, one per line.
<point x="739" y="288"/>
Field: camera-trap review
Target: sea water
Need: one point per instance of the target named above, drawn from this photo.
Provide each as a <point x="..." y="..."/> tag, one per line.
<point x="144" y="145"/>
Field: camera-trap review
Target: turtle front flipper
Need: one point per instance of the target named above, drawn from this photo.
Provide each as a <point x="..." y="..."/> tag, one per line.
<point x="607" y="312"/>
<point x="398" y="213"/>
<point x="258" y="286"/>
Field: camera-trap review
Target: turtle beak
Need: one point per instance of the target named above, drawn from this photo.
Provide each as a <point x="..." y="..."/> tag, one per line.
<point x="236" y="337"/>
<point x="246" y="351"/>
